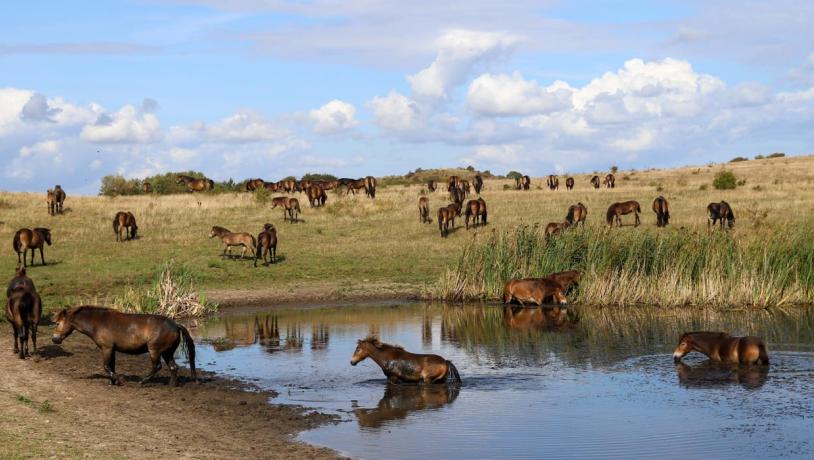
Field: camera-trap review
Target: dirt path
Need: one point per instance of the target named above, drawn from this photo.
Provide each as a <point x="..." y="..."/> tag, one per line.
<point x="59" y="404"/>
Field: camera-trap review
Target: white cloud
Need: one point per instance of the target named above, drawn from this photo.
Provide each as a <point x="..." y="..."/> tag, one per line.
<point x="642" y="140"/>
<point x="334" y="117"/>
<point x="395" y="112"/>
<point x="509" y="95"/>
<point x="181" y="155"/>
<point x="127" y="125"/>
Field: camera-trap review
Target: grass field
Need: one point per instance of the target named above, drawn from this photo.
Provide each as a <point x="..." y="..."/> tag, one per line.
<point x="356" y="246"/>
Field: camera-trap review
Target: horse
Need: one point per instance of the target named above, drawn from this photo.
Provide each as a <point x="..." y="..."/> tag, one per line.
<point x="553" y="182"/>
<point x="720" y="346"/>
<point x="476" y="210"/>
<point x="23" y="312"/>
<point x="662" y="211"/>
<point x="51" y="199"/>
<point x="370" y="186"/>
<point x="464" y="185"/>
<point x="720" y="212"/>
<point x="400" y="401"/>
<point x="424" y="210"/>
<point x="26" y="239"/>
<point x="446" y="216"/>
<point x="356" y="184"/>
<point x="566" y="279"/>
<point x="452" y="182"/>
<point x="267" y="244"/>
<point x="59" y="198"/>
<point x="457" y="195"/>
<point x="610" y="181"/>
<point x="293" y="209"/>
<point x="281" y="201"/>
<point x="478" y="183"/>
<point x="525" y="182"/>
<point x="431" y="186"/>
<point x="595" y="181"/>
<point x="316" y="196"/>
<point x="533" y="291"/>
<point x="569" y="183"/>
<point x="577" y="213"/>
<point x="125" y="221"/>
<point x="147" y="187"/>
<point x="254" y="184"/>
<point x="289" y="185"/>
<point x="554" y="228"/>
<point x="230" y="239"/>
<point x="399" y="365"/>
<point x="617" y="210"/>
<point x="133" y="334"/>
<point x="196" y="185"/>
<point x="272" y="187"/>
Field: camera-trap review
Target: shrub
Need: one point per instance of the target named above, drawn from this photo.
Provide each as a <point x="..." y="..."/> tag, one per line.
<point x="725" y="180"/>
<point x="614" y="169"/>
<point x="117" y="185"/>
<point x="514" y="175"/>
<point x="741" y="182"/>
<point x="703" y="187"/>
<point x="262" y="196"/>
<point x="318" y="176"/>
<point x="759" y="157"/>
<point x="172" y="294"/>
<point x="737" y="159"/>
<point x="776" y="155"/>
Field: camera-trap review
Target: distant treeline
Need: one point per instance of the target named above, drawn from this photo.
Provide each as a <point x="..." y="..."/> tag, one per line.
<point x="167" y="184"/>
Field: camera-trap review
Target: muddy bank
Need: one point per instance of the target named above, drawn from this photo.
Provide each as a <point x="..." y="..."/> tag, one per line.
<point x="317" y="294"/>
<point x="60" y="404"/>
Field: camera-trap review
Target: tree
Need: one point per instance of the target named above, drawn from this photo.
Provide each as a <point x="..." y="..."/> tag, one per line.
<point x="725" y="180"/>
<point x="514" y="175"/>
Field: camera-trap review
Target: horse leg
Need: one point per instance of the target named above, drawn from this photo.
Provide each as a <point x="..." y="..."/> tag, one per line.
<point x="155" y="359"/>
<point x="33" y="328"/>
<point x="109" y="359"/>
<point x="636" y="215"/>
<point x="392" y="378"/>
<point x="24" y="342"/>
<point x="169" y="358"/>
<point x="16" y="337"/>
<point x="42" y="256"/>
<point x="32" y="255"/>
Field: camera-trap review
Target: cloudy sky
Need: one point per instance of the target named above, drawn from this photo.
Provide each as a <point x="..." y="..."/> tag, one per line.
<point x="268" y="88"/>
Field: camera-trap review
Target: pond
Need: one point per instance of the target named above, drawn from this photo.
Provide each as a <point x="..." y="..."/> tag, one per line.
<point x="579" y="383"/>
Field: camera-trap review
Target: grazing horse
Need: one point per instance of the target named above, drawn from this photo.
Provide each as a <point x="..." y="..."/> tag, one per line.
<point x="399" y="365"/>
<point x="617" y="210"/>
<point x="720" y="212"/>
<point x="370" y="186"/>
<point x="147" y="187"/>
<point x="23" y="312"/>
<point x="476" y="210"/>
<point x="662" y="211"/>
<point x="267" y="244"/>
<point x="554" y="228"/>
<point x="569" y="183"/>
<point x="431" y="185"/>
<point x="533" y="291"/>
<point x="595" y="181"/>
<point x="424" y="210"/>
<point x="452" y="182"/>
<point x="356" y="184"/>
<point x="577" y="213"/>
<point x="129" y="333"/>
<point x="478" y="183"/>
<point x="553" y="182"/>
<point x="457" y="195"/>
<point x="230" y="239"/>
<point x="280" y="201"/>
<point x="254" y="184"/>
<point x="125" y="221"/>
<point x="316" y="196"/>
<point x="610" y="181"/>
<point x="26" y="239"/>
<point x="446" y="216"/>
<point x="720" y="346"/>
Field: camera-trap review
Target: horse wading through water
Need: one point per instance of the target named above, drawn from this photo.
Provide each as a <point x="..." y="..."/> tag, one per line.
<point x="720" y="346"/>
<point x="400" y="366"/>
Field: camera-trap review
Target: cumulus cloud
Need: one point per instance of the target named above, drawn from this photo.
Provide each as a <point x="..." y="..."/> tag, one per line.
<point x="509" y="95"/>
<point x="37" y="109"/>
<point x="334" y="117"/>
<point x="127" y="125"/>
<point x="395" y="112"/>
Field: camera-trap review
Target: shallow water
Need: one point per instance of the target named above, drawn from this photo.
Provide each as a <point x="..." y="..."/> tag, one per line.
<point x="586" y="383"/>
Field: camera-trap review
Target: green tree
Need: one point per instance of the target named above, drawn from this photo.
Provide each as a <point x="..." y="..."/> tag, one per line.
<point x="725" y="180"/>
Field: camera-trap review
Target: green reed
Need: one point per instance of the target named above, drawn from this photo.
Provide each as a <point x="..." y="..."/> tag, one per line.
<point x="667" y="267"/>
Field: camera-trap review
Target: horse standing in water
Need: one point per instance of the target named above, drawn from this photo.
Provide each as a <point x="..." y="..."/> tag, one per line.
<point x="662" y="211"/>
<point x="132" y="334"/>
<point x="720" y="212"/>
<point x="424" y="210"/>
<point x="23" y="312"/>
<point x="125" y="221"/>
<point x="400" y="366"/>
<point x="267" y="245"/>
<point x="577" y="213"/>
<point x="533" y="290"/>
<point x="720" y="346"/>
<point x="26" y="239"/>
<point x="617" y="210"/>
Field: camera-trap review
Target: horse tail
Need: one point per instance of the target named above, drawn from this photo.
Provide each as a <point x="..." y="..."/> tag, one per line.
<point x="638" y="207"/>
<point x="610" y="216"/>
<point x="764" y="354"/>
<point x="16" y="242"/>
<point x="258" y="252"/>
<point x="484" y="217"/>
<point x="666" y="213"/>
<point x="570" y="216"/>
<point x="189" y="350"/>
<point x="452" y="373"/>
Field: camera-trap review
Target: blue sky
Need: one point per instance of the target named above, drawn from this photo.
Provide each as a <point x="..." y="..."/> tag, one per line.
<point x="269" y="88"/>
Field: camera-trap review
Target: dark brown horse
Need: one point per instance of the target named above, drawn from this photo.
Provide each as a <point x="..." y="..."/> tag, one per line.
<point x="662" y="211"/>
<point x="569" y="183"/>
<point x="254" y="184"/>
<point x="424" y="210"/>
<point x="617" y="210"/>
<point x="293" y="209"/>
<point x="229" y="239"/>
<point x="267" y="245"/>
<point x="446" y="218"/>
<point x="281" y="201"/>
<point x="566" y="279"/>
<point x="23" y="312"/>
<point x="316" y="196"/>
<point x="133" y="334"/>
<point x="452" y="182"/>
<point x="720" y="346"/>
<point x="399" y="365"/>
<point x="289" y="185"/>
<point x="595" y="181"/>
<point x="720" y="212"/>
<point x="431" y="185"/>
<point x="525" y="182"/>
<point x="554" y="228"/>
<point x="356" y="185"/>
<point x="553" y="182"/>
<point x="610" y="181"/>
<point x="147" y="187"/>
<point x="533" y="291"/>
<point x="464" y="185"/>
<point x="457" y="195"/>
<point x="370" y="186"/>
<point x="26" y="239"/>
<point x="59" y="197"/>
<point x="477" y="182"/>
<point x="475" y="210"/>
<point x="577" y="213"/>
<point x="125" y="221"/>
<point x="273" y="187"/>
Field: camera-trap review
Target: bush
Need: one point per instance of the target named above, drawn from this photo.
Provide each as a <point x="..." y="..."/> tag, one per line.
<point x="776" y="155"/>
<point x="514" y="175"/>
<point x="262" y="196"/>
<point x="703" y="187"/>
<point x="614" y="169"/>
<point x="318" y="176"/>
<point x="737" y="159"/>
<point x="725" y="180"/>
<point x="759" y="157"/>
<point x="118" y="185"/>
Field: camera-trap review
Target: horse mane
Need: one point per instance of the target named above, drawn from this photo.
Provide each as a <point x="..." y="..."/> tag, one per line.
<point x="373" y="340"/>
<point x="217" y="229"/>
<point x="705" y="334"/>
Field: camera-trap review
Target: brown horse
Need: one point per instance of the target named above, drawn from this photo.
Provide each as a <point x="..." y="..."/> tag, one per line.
<point x="446" y="217"/>
<point x="533" y="291"/>
<point x="147" y="187"/>
<point x="26" y="239"/>
<point x="355" y="185"/>
<point x="452" y="182"/>
<point x="555" y="228"/>
<point x="577" y="213"/>
<point x="316" y="196"/>
<point x="59" y="197"/>
<point x="610" y="181"/>
<point x="370" y="186"/>
<point x="132" y="334"/>
<point x="476" y="210"/>
<point x="51" y="199"/>
<point x="293" y="209"/>
<point x="464" y="185"/>
<point x="23" y="312"/>
<point x="662" y="211"/>
<point x="569" y="183"/>
<point x="267" y="244"/>
<point x="288" y="185"/>
<point x="399" y="402"/>
<point x="281" y="201"/>
<point x="617" y="210"/>
<point x="399" y="365"/>
<point x="553" y="182"/>
<point x="595" y="181"/>
<point x="431" y="185"/>
<point x="272" y="186"/>
<point x="457" y="195"/>
<point x="424" y="210"/>
<point x="566" y="279"/>
<point x="720" y="212"/>
<point x="125" y="221"/>
<point x="230" y="239"/>
<point x="477" y="182"/>
<point x="720" y="346"/>
<point x="525" y="182"/>
<point x="254" y="184"/>
<point x="196" y="185"/>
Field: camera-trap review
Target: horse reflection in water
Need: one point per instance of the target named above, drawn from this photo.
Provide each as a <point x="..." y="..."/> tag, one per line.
<point x="320" y="336"/>
<point x="551" y="319"/>
<point x="711" y="375"/>
<point x="267" y="333"/>
<point x="399" y="401"/>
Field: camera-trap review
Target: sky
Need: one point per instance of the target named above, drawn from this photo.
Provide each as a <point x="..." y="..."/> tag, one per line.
<point x="271" y="88"/>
